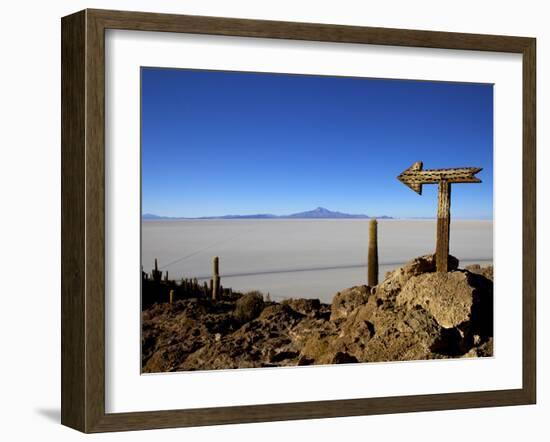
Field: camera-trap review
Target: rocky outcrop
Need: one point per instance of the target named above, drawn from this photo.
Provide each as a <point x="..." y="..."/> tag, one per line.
<point x="415" y="313"/>
<point x="479" y="270"/>
<point x="448" y="297"/>
<point x="346" y="301"/>
<point x="396" y="279"/>
<point x="396" y="334"/>
<point x="307" y="307"/>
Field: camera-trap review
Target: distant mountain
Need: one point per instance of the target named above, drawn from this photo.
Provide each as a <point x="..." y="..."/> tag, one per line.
<point x="152" y="216"/>
<point x="318" y="213"/>
<point x="257" y="216"/>
<point x="321" y="212"/>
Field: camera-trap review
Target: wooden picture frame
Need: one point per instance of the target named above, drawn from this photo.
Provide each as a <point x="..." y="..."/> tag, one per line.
<point x="83" y="220"/>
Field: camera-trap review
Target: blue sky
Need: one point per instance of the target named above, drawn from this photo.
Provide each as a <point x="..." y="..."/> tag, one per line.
<point x="216" y="143"/>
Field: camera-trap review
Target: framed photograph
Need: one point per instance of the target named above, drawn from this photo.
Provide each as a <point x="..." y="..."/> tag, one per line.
<point x="266" y="221"/>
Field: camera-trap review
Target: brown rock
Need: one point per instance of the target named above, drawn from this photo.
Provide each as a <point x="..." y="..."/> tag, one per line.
<point x="448" y="297"/>
<point x="316" y="349"/>
<point x="486" y="271"/>
<point x="396" y="280"/>
<point x="308" y="307"/>
<point x="397" y="334"/>
<point x="343" y="358"/>
<point x="347" y="301"/>
<point x="483" y="350"/>
<point x="280" y="312"/>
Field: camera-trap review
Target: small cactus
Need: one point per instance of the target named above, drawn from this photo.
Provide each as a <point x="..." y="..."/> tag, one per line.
<point x="215" y="278"/>
<point x="156" y="273"/>
<point x="372" y="270"/>
<point x="172" y="295"/>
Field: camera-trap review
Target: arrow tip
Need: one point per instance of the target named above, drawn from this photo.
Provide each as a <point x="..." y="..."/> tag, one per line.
<point x="407" y="177"/>
<point x="417" y="187"/>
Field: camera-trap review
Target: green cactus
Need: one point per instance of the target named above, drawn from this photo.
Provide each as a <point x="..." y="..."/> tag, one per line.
<point x="172" y="296"/>
<point x="373" y="254"/>
<point x="215" y="278"/>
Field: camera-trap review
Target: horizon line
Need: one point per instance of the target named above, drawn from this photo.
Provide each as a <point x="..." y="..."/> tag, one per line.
<point x="268" y="216"/>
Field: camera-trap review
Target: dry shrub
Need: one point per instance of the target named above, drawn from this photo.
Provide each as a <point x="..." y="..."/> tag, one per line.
<point x="249" y="306"/>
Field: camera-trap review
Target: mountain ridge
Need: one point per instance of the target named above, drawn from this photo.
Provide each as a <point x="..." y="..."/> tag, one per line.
<point x="317" y="213"/>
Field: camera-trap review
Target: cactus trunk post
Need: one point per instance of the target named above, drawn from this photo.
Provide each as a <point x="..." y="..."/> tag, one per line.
<point x="215" y="278"/>
<point x="443" y="227"/>
<point x="373" y="254"/>
<point x="172" y="296"/>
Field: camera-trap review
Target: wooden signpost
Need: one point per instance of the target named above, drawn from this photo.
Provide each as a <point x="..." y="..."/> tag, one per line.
<point x="414" y="177"/>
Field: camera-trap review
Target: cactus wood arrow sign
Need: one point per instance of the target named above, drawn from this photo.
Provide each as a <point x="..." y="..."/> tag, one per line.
<point x="414" y="177"/>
